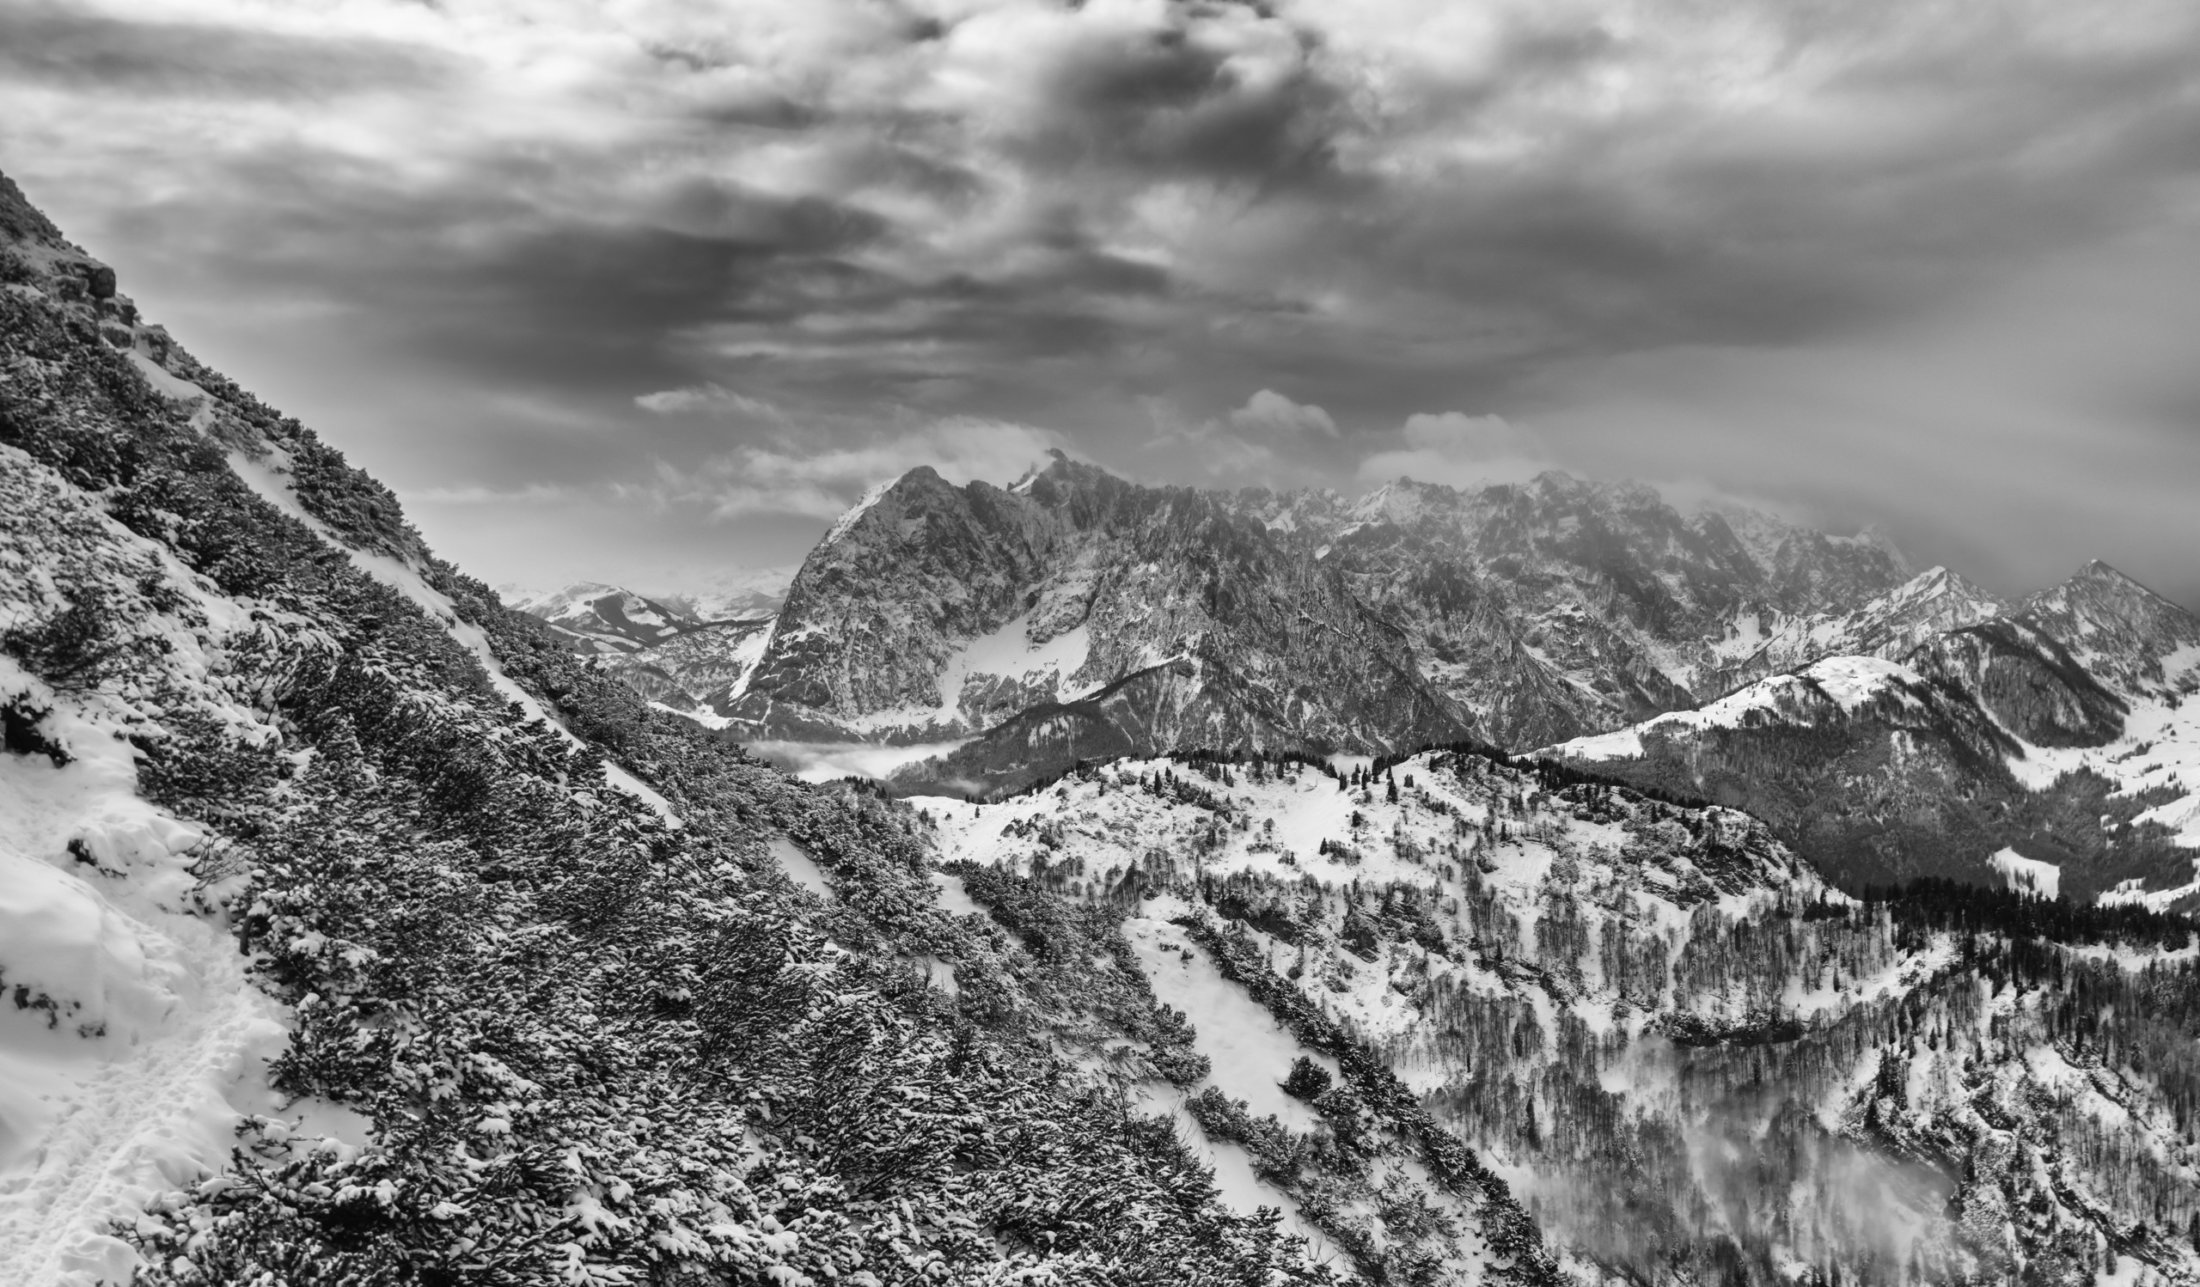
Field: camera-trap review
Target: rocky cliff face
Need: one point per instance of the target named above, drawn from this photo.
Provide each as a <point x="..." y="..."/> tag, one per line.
<point x="1046" y="620"/>
<point x="935" y="612"/>
<point x="2130" y="637"/>
<point x="1888" y="625"/>
<point x="1562" y="606"/>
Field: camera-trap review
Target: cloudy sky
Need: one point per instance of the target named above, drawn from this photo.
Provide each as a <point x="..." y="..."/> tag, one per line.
<point x="636" y="290"/>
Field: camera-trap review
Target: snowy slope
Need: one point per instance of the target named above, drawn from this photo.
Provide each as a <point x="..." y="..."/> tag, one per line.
<point x="1833" y="687"/>
<point x="2071" y="715"/>
<point x="1543" y="963"/>
<point x="144" y="1043"/>
<point x="134" y="1042"/>
<point x="1461" y="824"/>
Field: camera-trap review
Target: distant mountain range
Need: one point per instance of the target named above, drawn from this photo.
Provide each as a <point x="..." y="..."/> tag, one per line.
<point x="675" y="649"/>
<point x="1075" y="615"/>
<point x="1888" y="723"/>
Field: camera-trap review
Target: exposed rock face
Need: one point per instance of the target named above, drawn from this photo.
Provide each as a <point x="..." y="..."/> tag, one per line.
<point x="2118" y="629"/>
<point x="1042" y="618"/>
<point x="1128" y="613"/>
<point x="1563" y="606"/>
<point x="1888" y="626"/>
<point x="2060" y="732"/>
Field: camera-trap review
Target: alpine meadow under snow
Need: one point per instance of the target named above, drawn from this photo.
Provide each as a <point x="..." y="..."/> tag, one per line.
<point x="1069" y="882"/>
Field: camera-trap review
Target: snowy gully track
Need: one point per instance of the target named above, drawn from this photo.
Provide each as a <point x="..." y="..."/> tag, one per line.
<point x="136" y="1126"/>
<point x="155" y="1042"/>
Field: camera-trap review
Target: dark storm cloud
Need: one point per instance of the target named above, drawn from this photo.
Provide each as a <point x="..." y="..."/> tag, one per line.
<point x="482" y="276"/>
<point x="1138" y="223"/>
<point x="189" y="59"/>
<point x="1161" y="102"/>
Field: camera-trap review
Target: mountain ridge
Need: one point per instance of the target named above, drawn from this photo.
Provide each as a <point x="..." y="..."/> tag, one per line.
<point x="2058" y="731"/>
<point x="1409" y="616"/>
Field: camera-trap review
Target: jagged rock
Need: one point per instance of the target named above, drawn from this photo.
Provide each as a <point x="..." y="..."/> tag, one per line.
<point x="1074" y="611"/>
<point x="1034" y="617"/>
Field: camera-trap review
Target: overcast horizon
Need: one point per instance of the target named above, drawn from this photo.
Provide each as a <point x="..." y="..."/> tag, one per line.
<point x="636" y="291"/>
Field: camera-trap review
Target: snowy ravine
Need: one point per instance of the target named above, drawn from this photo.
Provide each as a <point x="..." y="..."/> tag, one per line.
<point x="1596" y="990"/>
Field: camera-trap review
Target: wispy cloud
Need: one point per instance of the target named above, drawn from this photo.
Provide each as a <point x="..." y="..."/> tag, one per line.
<point x="531" y="494"/>
<point x="790" y="479"/>
<point x="711" y="398"/>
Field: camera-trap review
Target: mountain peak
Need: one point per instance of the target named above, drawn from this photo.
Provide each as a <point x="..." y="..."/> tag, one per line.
<point x="2100" y="582"/>
<point x="1403" y="500"/>
<point x="1938" y="582"/>
<point x="2113" y="623"/>
<point x="2101" y="572"/>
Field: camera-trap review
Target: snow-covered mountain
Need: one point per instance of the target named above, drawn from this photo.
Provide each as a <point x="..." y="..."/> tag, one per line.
<point x="1562" y="606"/>
<point x="602" y="618"/>
<point x="2061" y="733"/>
<point x="1078" y="616"/>
<point x="1144" y="617"/>
<point x="1670" y="1039"/>
<point x="680" y="650"/>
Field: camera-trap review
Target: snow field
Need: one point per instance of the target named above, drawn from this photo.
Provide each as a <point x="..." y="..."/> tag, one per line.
<point x="1010" y="653"/>
<point x="1250" y="1053"/>
<point x="1250" y="1050"/>
<point x="830" y="761"/>
<point x="953" y="897"/>
<point x="2027" y="875"/>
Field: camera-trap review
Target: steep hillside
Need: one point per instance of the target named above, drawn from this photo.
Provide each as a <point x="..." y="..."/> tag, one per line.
<point x="361" y="933"/>
<point x="2060" y="734"/>
<point x="1669" y="1039"/>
